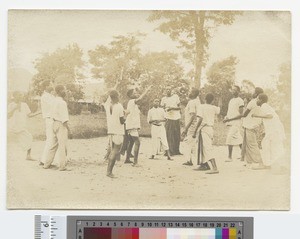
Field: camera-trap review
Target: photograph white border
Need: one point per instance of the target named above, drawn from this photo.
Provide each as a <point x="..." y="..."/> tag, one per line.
<point x="24" y="219"/>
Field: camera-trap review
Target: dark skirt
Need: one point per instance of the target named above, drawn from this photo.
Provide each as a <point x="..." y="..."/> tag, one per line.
<point x="200" y="149"/>
<point x="173" y="136"/>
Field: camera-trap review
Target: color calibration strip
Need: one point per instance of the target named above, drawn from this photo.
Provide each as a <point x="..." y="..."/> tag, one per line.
<point x="160" y="233"/>
<point x="162" y="228"/>
<point x="124" y="227"/>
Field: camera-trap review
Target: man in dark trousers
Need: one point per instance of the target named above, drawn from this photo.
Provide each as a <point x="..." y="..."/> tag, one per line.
<point x="171" y="104"/>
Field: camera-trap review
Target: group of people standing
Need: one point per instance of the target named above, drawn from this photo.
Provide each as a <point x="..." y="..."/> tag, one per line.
<point x="243" y="121"/>
<point x="256" y="112"/>
<point x="123" y="126"/>
<point x="54" y="111"/>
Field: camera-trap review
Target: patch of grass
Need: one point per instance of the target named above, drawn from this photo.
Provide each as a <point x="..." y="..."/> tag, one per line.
<point x="86" y="126"/>
<point x="82" y="126"/>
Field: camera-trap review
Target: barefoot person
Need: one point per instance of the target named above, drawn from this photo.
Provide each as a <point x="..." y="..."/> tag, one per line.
<point x="61" y="130"/>
<point x="250" y="150"/>
<point x="234" y="122"/>
<point x="207" y="114"/>
<point x="171" y="104"/>
<point x="47" y="100"/>
<point x="272" y="143"/>
<point x="156" y="117"/>
<point x="191" y="111"/>
<point x="107" y="100"/>
<point x="18" y="113"/>
<point x="115" y="129"/>
<point x="133" y="124"/>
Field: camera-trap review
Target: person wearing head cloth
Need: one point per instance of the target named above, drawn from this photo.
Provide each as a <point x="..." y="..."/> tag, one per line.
<point x="61" y="130"/>
<point x="18" y="113"/>
<point x="171" y="104"/>
<point x="272" y="143"/>
<point x="250" y="149"/>
<point x="206" y="115"/>
<point x="47" y="100"/>
<point x="234" y="122"/>
<point x="191" y="111"/>
<point x="133" y="124"/>
<point x="156" y="118"/>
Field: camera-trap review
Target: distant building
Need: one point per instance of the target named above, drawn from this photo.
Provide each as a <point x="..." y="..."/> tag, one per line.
<point x="93" y="90"/>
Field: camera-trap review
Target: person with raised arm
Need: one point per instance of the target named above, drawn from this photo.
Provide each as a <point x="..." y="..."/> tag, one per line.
<point x="133" y="123"/>
<point x="115" y="129"/>
<point x="107" y="100"/>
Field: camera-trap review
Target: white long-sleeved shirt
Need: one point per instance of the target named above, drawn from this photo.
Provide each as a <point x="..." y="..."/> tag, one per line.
<point x="60" y="110"/>
<point x="47" y="101"/>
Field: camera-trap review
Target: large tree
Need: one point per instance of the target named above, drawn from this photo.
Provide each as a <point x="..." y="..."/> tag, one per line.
<point x="62" y="66"/>
<point x="193" y="30"/>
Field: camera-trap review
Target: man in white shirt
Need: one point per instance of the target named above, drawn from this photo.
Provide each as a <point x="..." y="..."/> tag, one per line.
<point x="61" y="130"/>
<point x="115" y="129"/>
<point x="234" y="122"/>
<point x="47" y="100"/>
<point x="171" y="104"/>
<point x="250" y="149"/>
<point x="206" y="115"/>
<point x="272" y="143"/>
<point x="18" y="113"/>
<point x="133" y="124"/>
<point x="191" y="111"/>
<point x="156" y="117"/>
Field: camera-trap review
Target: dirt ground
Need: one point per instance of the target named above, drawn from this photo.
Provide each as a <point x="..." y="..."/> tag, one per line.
<point x="157" y="184"/>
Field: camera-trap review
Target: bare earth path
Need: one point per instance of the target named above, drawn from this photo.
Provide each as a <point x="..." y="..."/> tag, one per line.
<point x="158" y="184"/>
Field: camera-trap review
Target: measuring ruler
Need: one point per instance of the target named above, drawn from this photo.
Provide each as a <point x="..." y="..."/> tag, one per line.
<point x="102" y="227"/>
<point x="50" y="227"/>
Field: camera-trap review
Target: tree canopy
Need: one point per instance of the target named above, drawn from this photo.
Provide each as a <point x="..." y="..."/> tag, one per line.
<point x="62" y="66"/>
<point x="193" y="31"/>
<point x="221" y="78"/>
<point x="123" y="61"/>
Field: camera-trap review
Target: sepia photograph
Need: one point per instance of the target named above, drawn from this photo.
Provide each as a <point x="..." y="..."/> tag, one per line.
<point x="162" y="110"/>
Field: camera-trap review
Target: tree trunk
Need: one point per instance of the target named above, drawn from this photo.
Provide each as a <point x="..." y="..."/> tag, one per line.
<point x="199" y="20"/>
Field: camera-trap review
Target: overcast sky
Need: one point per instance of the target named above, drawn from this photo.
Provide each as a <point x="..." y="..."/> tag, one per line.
<point x="260" y="41"/>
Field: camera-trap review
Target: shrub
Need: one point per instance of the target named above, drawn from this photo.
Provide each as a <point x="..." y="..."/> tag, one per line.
<point x="75" y="108"/>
